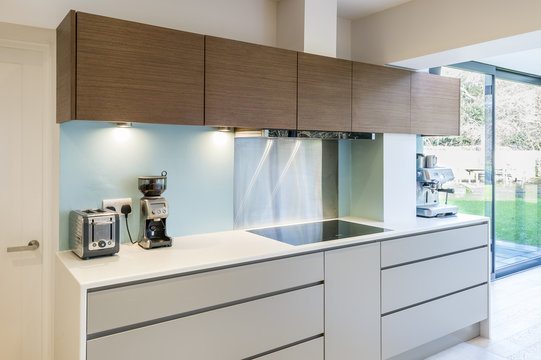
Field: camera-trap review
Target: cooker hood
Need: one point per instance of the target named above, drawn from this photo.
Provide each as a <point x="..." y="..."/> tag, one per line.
<point x="302" y="134"/>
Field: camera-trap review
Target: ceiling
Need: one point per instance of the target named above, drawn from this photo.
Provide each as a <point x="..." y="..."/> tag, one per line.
<point x="355" y="9"/>
<point x="527" y="61"/>
<point x="48" y="13"/>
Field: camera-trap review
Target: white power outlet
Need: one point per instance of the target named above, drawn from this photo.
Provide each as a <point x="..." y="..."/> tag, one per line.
<point x="116" y="203"/>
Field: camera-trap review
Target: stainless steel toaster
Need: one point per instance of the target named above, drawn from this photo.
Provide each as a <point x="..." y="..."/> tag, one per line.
<point x="94" y="232"/>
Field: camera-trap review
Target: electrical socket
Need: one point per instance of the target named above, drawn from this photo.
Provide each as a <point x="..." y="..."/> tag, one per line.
<point x="116" y="203"/>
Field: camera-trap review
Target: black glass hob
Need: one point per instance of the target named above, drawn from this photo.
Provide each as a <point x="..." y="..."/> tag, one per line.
<point x="309" y="233"/>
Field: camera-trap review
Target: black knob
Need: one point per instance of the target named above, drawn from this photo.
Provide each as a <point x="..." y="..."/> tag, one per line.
<point x="102" y="243"/>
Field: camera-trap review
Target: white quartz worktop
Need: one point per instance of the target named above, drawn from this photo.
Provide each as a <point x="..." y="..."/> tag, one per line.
<point x="213" y="250"/>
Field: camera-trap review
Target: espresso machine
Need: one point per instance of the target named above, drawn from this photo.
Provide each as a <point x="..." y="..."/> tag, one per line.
<point x="429" y="187"/>
<point x="154" y="212"/>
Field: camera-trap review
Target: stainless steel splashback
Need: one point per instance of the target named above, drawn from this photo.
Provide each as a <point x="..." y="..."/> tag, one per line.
<point x="280" y="180"/>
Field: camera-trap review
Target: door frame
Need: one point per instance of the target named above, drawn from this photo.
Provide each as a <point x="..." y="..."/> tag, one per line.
<point x="44" y="41"/>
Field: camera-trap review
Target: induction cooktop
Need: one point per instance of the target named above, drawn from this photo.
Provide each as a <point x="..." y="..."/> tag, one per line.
<point x="309" y="233"/>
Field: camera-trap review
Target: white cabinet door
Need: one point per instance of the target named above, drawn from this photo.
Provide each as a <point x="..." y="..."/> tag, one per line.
<point x="230" y="333"/>
<point x="310" y="350"/>
<point x="352" y="303"/>
<point x="411" y="284"/>
<point x="126" y="305"/>
<point x="22" y="118"/>
<point x="407" y="329"/>
<point x="418" y="247"/>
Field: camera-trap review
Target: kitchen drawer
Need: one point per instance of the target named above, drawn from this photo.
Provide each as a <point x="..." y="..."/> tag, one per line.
<point x="132" y="304"/>
<point x="310" y="350"/>
<point x="411" y="284"/>
<point x="407" y="329"/>
<point x="423" y="246"/>
<point x="233" y="332"/>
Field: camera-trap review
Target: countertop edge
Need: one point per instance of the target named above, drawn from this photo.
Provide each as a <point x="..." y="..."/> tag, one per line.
<point x="67" y="258"/>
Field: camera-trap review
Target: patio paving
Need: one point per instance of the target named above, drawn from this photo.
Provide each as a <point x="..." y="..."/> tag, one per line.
<point x="510" y="253"/>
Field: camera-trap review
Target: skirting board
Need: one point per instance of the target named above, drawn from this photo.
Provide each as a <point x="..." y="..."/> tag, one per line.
<point x="438" y="345"/>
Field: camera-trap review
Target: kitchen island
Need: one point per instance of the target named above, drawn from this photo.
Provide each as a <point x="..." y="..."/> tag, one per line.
<point x="234" y="294"/>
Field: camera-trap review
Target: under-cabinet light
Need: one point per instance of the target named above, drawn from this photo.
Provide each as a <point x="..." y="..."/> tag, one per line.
<point x="122" y="124"/>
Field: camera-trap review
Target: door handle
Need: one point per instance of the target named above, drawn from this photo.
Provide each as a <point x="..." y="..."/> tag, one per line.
<point x="32" y="245"/>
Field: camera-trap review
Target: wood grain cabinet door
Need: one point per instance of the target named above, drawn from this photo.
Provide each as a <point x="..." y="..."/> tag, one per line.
<point x="324" y="93"/>
<point x="128" y="71"/>
<point x="435" y="105"/>
<point x="248" y="85"/>
<point x="381" y="99"/>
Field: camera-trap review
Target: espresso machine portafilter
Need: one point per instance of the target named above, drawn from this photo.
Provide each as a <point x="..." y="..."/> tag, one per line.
<point x="154" y="212"/>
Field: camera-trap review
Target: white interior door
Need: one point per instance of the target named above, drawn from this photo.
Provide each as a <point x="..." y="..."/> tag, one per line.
<point x="21" y="192"/>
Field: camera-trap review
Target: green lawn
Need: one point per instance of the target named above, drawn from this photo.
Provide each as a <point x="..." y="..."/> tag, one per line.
<point x="518" y="222"/>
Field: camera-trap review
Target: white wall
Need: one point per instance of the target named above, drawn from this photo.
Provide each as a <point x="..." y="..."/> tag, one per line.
<point x="422" y="27"/>
<point x="307" y="25"/>
<point x="320" y="27"/>
<point x="290" y="25"/>
<point x="382" y="178"/>
<point x="246" y="20"/>
<point x="399" y="178"/>
<point x="343" y="38"/>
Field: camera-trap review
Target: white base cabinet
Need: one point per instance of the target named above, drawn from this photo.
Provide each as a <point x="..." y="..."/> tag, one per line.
<point x="411" y="284"/>
<point x="230" y="333"/>
<point x="372" y="301"/>
<point x="272" y="309"/>
<point x="405" y="330"/>
<point x="309" y="350"/>
<point x="352" y="303"/>
<point x="432" y="285"/>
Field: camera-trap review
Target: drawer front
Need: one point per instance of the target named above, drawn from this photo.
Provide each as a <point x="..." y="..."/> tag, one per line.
<point x="411" y="284"/>
<point x="310" y="350"/>
<point x="412" y="248"/>
<point x="405" y="330"/>
<point x="234" y="332"/>
<point x="127" y="305"/>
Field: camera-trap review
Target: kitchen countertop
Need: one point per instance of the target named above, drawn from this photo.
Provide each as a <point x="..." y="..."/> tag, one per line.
<point x="204" y="252"/>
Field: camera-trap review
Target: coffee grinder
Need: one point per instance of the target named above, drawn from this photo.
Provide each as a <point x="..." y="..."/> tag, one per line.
<point x="154" y="212"/>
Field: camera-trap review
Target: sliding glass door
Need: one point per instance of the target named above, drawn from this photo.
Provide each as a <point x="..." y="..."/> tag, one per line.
<point x="497" y="160"/>
<point x="518" y="170"/>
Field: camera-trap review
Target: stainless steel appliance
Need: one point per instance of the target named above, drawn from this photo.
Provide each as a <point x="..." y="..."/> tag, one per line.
<point x="154" y="212"/>
<point x="308" y="233"/>
<point x="429" y="185"/>
<point x="94" y="232"/>
<point x="430" y="161"/>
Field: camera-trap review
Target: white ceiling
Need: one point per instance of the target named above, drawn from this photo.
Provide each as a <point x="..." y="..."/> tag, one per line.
<point x="355" y="9"/>
<point x="524" y="61"/>
<point x="519" y="52"/>
<point x="48" y="13"/>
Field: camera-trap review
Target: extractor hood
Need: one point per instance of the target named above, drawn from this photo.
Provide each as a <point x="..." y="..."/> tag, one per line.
<point x="303" y="134"/>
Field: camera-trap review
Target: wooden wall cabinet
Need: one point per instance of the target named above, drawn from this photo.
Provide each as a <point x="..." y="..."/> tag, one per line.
<point x="115" y="70"/>
<point x="324" y="93"/>
<point x="248" y="85"/>
<point x="381" y="99"/>
<point x="435" y="104"/>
